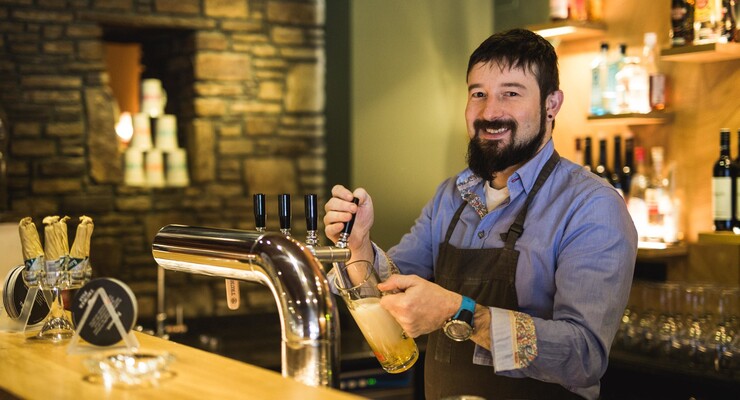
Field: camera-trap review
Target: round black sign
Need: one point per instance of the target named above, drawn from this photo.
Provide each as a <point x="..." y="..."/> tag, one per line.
<point x="99" y="328"/>
<point x="14" y="295"/>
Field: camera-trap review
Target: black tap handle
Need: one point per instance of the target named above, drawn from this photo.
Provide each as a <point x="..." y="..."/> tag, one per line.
<point x="259" y="211"/>
<point x="312" y="214"/>
<point x="348" y="226"/>
<point x="284" y="210"/>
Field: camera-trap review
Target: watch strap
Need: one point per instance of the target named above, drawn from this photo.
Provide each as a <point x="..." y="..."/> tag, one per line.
<point x="466" y="310"/>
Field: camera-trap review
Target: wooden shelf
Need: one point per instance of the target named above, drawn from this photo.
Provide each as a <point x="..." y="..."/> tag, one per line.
<point x="570" y="30"/>
<point x="709" y="52"/>
<point x="671" y="251"/>
<point x="632" y="119"/>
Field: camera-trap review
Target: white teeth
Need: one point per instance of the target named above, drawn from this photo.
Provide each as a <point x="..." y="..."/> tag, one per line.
<point x="494" y="131"/>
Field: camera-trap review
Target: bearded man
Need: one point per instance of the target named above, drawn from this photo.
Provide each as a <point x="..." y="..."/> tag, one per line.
<point x="519" y="268"/>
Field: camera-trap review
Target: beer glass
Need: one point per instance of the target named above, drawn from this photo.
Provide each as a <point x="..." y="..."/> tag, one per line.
<point x="358" y="285"/>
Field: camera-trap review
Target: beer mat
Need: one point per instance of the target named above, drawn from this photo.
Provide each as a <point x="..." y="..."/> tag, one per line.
<point x="14" y="295"/>
<point x="99" y="328"/>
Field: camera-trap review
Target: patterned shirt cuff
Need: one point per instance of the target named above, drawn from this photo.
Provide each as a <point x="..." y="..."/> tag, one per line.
<point x="514" y="339"/>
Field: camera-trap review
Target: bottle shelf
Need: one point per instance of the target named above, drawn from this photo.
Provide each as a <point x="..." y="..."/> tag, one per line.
<point x="709" y="52"/>
<point x="570" y="30"/>
<point x="658" y="251"/>
<point x="632" y="119"/>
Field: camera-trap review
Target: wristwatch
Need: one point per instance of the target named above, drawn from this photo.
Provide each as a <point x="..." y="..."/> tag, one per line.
<point x="460" y="327"/>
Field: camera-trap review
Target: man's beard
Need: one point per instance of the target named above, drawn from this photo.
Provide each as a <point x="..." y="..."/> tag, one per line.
<point x="488" y="157"/>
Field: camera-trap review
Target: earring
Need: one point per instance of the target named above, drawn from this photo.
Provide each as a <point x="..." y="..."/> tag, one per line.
<point x="549" y="116"/>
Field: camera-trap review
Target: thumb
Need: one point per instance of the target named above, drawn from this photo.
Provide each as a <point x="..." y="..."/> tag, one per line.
<point x="397" y="282"/>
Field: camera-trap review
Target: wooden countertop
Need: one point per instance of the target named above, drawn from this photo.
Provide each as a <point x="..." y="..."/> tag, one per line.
<point x="33" y="369"/>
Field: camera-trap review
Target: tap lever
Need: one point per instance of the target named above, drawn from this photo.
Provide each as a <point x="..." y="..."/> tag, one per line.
<point x="312" y="215"/>
<point x="259" y="212"/>
<point x="284" y="213"/>
<point x="344" y="236"/>
<point x="312" y="219"/>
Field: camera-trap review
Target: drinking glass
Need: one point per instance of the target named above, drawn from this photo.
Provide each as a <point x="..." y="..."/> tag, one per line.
<point x="358" y="284"/>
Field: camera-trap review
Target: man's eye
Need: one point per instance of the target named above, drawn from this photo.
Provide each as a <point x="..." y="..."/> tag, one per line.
<point x="511" y="94"/>
<point x="478" y="94"/>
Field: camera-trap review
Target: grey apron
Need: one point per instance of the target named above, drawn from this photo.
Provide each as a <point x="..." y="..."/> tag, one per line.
<point x="487" y="276"/>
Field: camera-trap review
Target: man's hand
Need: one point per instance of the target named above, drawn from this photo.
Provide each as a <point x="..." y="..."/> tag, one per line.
<point x="339" y="210"/>
<point x="419" y="306"/>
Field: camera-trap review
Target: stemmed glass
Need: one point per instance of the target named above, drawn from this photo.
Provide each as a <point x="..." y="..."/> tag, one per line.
<point x="54" y="276"/>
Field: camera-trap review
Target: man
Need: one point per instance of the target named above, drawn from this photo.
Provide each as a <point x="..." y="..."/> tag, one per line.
<point x="530" y="250"/>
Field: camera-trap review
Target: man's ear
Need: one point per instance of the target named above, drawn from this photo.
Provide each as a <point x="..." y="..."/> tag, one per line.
<point x="553" y="103"/>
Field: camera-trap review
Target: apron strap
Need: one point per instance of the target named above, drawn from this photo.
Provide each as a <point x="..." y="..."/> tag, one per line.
<point x="516" y="229"/>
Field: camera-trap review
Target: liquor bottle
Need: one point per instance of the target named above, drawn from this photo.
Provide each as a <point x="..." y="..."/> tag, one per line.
<point x="728" y="30"/>
<point x="558" y="10"/>
<point x="588" y="161"/>
<point x="736" y="187"/>
<point x="656" y="92"/>
<point x="636" y="203"/>
<point x="707" y="18"/>
<point x="658" y="197"/>
<point x="615" y="178"/>
<point x="628" y="168"/>
<point x="614" y="64"/>
<point x="595" y="10"/>
<point x="682" y="22"/>
<point x="599" y="77"/>
<point x="722" y="185"/>
<point x="633" y="87"/>
<point x="578" y="157"/>
<point x="577" y="10"/>
<point x="601" y="170"/>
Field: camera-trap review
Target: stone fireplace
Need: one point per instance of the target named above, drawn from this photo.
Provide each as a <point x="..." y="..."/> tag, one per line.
<point x="245" y="79"/>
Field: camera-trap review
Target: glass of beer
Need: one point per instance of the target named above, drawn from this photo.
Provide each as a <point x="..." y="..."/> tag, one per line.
<point x="358" y="285"/>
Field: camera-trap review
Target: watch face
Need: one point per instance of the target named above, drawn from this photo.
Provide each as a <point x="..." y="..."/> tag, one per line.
<point x="458" y="330"/>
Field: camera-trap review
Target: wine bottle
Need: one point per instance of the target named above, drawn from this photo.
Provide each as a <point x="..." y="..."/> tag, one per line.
<point x="579" y="152"/>
<point x="628" y="168"/>
<point x="722" y="185"/>
<point x="615" y="178"/>
<point x="587" y="158"/>
<point x="601" y="169"/>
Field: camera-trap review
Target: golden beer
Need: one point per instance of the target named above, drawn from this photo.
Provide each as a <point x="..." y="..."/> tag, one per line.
<point x="395" y="351"/>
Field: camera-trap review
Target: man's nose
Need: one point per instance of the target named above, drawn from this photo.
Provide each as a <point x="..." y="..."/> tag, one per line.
<point x="492" y="109"/>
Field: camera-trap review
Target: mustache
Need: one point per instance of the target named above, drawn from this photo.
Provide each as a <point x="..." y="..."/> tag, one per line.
<point x="482" y="124"/>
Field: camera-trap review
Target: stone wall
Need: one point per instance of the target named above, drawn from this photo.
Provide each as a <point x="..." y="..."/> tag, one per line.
<point x="250" y="110"/>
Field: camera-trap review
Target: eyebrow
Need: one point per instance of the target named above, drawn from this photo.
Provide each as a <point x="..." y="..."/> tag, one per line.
<point x="504" y="85"/>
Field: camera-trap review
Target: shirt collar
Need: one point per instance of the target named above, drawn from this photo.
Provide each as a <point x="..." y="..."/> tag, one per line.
<point x="471" y="185"/>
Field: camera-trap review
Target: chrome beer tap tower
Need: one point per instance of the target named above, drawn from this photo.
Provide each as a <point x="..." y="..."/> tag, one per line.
<point x="292" y="270"/>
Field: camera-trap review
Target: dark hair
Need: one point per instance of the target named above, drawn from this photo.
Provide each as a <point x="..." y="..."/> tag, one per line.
<point x="520" y="48"/>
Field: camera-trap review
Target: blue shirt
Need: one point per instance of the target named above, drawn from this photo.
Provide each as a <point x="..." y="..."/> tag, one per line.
<point x="577" y="256"/>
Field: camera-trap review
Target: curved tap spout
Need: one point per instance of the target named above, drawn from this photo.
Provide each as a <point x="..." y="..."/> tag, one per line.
<point x="308" y="315"/>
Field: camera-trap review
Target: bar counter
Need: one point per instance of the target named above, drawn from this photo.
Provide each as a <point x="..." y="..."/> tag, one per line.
<point x="31" y="369"/>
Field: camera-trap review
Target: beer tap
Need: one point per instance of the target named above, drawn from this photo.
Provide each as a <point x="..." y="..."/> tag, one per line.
<point x="312" y="220"/>
<point x="342" y="244"/>
<point x="284" y="213"/>
<point x="260" y="213"/>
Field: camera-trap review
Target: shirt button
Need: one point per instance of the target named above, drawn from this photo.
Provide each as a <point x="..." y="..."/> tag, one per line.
<point x="481" y="234"/>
